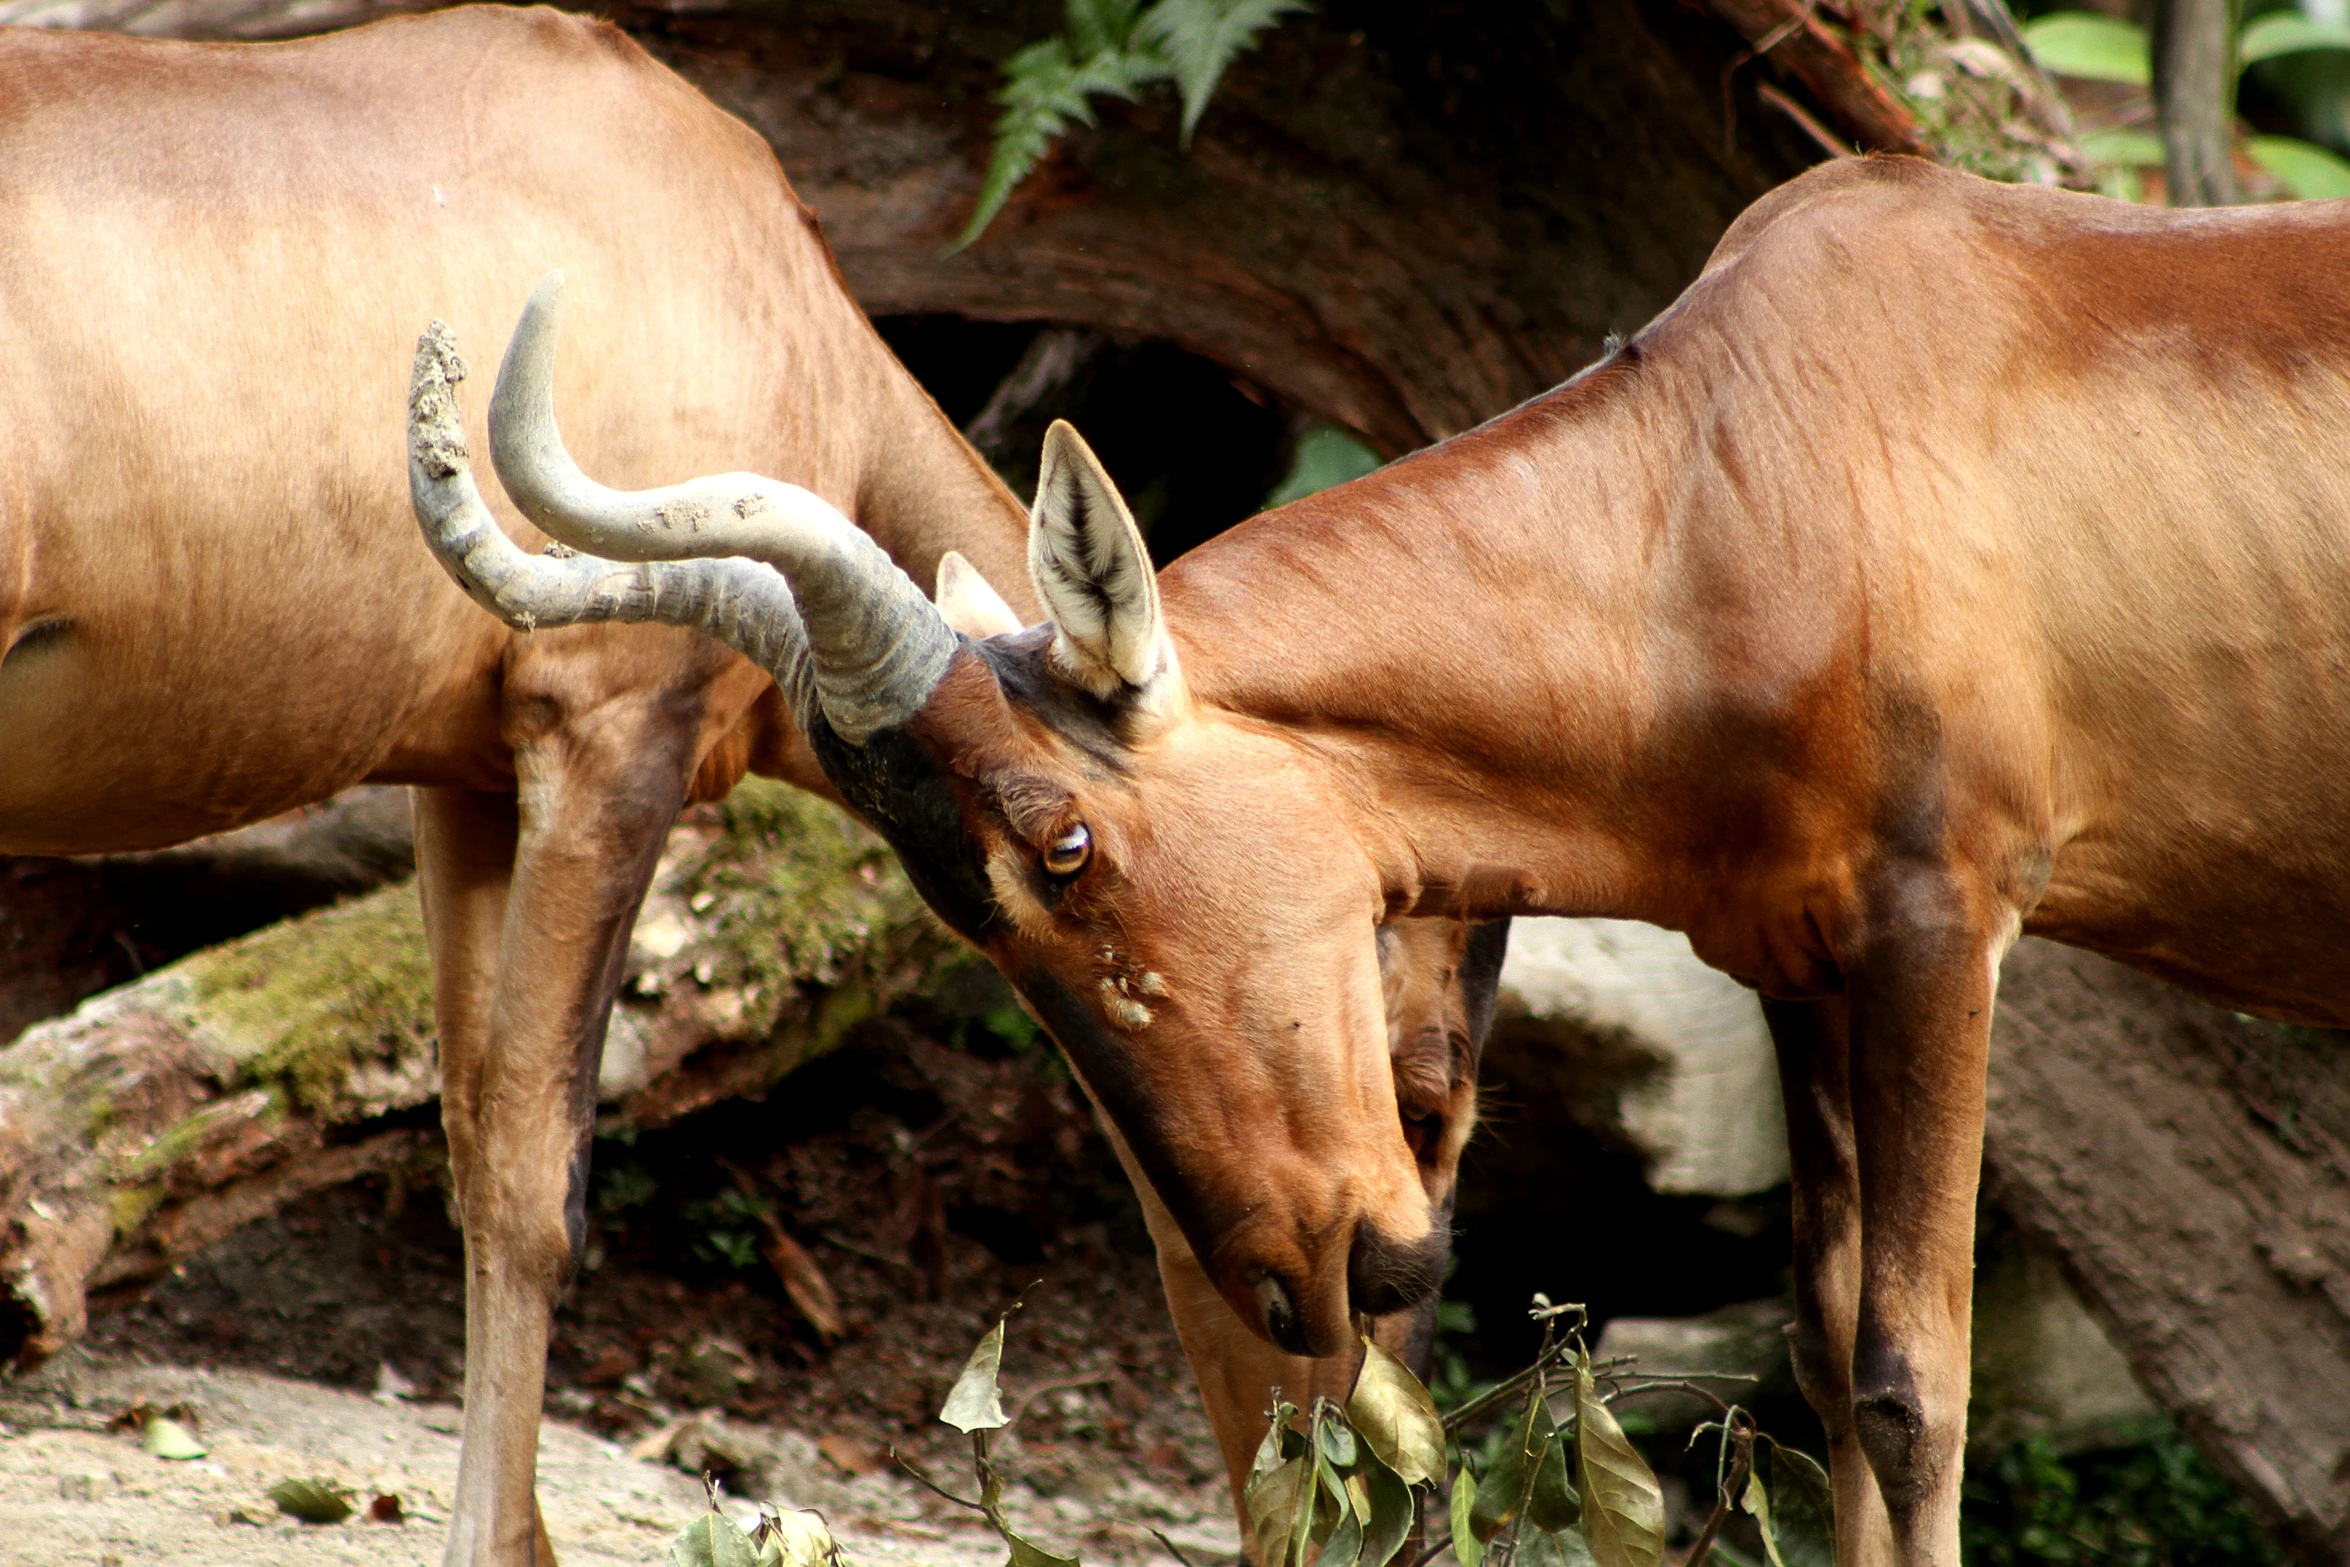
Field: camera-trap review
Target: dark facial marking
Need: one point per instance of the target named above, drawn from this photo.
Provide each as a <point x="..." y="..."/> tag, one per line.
<point x="907" y="797"/>
<point x="1023" y="669"/>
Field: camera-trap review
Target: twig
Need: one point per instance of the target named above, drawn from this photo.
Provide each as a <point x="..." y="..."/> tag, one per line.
<point x="1063" y="1385"/>
<point x="1432" y="1552"/>
<point x="1502" y="1390"/>
<point x="1682" y="1385"/>
<point x="835" y="1239"/>
<point x="907" y="1464"/>
<point x="1511" y="1384"/>
<point x="1742" y="1439"/>
<point x="1804" y="120"/>
<point x="1172" y="1548"/>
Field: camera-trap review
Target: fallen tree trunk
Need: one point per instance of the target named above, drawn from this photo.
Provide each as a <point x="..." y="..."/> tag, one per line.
<point x="2192" y="1169"/>
<point x="161" y="1116"/>
<point x="71" y="928"/>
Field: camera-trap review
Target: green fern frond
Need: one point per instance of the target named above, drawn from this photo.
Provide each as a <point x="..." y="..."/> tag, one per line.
<point x="1201" y="37"/>
<point x="1114" y="48"/>
<point x="1102" y="26"/>
<point x="1046" y="88"/>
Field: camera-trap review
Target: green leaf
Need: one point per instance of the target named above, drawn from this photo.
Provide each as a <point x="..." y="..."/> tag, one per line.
<point x="1201" y="37"/>
<point x="1026" y="1553"/>
<point x="1301" y="1523"/>
<point x="167" y="1438"/>
<point x="2305" y="170"/>
<point x="1045" y="89"/>
<point x="2090" y="46"/>
<point x="1623" y="1506"/>
<point x="1342" y="1540"/>
<point x="2140" y="149"/>
<point x="1326" y="456"/>
<point x="1757" y="1502"/>
<point x="1467" y="1549"/>
<point x="1102" y="26"/>
<point x="1271" y="1500"/>
<point x="1397" y="1418"/>
<point x="2287" y="32"/>
<point x="1337" y="1442"/>
<point x="1801" y="1529"/>
<point x="1384" y="1502"/>
<point x="317" y="1501"/>
<point x="1281" y="1442"/>
<point x="1555" y="1504"/>
<point x="975" y="1404"/>
<point x="711" y="1540"/>
<point x="1502" y="1492"/>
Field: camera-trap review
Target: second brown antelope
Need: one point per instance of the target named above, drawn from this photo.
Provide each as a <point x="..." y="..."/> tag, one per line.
<point x="1951" y="560"/>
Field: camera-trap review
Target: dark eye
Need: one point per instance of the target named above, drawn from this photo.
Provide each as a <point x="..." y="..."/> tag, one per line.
<point x="1066" y="855"/>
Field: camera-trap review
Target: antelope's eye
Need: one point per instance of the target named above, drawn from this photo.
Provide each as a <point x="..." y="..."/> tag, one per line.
<point x="1067" y="854"/>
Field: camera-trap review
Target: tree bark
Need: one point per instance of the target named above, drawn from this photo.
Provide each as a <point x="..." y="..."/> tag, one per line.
<point x="2192" y="1169"/>
<point x="161" y="1116"/>
<point x="2195" y="97"/>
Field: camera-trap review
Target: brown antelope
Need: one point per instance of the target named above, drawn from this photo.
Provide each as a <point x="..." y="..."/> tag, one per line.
<point x="212" y="607"/>
<point x="1952" y="559"/>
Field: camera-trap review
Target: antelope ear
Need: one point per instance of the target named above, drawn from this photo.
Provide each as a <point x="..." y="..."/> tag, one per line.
<point x="969" y="604"/>
<point x="1093" y="574"/>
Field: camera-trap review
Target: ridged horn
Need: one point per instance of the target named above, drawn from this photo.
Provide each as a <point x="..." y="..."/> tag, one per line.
<point x="742" y="603"/>
<point x="879" y="647"/>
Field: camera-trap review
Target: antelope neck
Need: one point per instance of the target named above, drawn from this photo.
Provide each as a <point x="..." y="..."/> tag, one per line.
<point x="1469" y="641"/>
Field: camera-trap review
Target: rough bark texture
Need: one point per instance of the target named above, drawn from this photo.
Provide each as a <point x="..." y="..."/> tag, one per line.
<point x="161" y="1116"/>
<point x="2192" y="1169"/>
<point x="2195" y="95"/>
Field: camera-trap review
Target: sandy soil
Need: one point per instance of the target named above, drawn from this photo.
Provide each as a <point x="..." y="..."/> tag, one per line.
<point x="74" y="1491"/>
<point x="932" y="1185"/>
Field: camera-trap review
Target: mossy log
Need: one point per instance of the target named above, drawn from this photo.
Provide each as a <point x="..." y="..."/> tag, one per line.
<point x="162" y="1115"/>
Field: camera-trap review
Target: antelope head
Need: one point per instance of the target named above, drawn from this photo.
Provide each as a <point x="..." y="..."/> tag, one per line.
<point x="1164" y="883"/>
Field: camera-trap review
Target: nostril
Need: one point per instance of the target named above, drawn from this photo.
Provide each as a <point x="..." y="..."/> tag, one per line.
<point x="1281" y="1324"/>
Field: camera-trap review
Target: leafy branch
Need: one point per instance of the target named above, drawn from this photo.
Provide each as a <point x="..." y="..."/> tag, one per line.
<point x="1111" y="48"/>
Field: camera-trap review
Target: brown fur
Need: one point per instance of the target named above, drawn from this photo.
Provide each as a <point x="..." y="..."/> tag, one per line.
<point x="1952" y="559"/>
<point x="213" y="602"/>
<point x="213" y="262"/>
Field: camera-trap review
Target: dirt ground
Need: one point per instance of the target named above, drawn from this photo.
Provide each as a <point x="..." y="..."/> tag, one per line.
<point x="932" y="1184"/>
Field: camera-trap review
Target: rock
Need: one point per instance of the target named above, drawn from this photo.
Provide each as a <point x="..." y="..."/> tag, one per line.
<point x="1745" y="1341"/>
<point x="1683" y="1071"/>
<point x="2042" y="1365"/>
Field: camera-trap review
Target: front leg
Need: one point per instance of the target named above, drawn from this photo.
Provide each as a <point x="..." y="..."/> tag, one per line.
<point x="523" y="1034"/>
<point x="1920" y="1002"/>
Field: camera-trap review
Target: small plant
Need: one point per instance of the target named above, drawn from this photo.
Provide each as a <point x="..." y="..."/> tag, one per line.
<point x="1111" y="48"/>
<point x="1345" y="1485"/>
<point x="783" y="1537"/>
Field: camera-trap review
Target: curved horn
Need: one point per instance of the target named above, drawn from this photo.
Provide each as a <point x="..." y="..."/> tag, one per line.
<point x="878" y="645"/>
<point x="742" y="603"/>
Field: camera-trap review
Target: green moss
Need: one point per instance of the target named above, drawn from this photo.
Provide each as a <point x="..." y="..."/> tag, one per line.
<point x="302" y="1003"/>
<point x="802" y="895"/>
<point x="1968" y="122"/>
